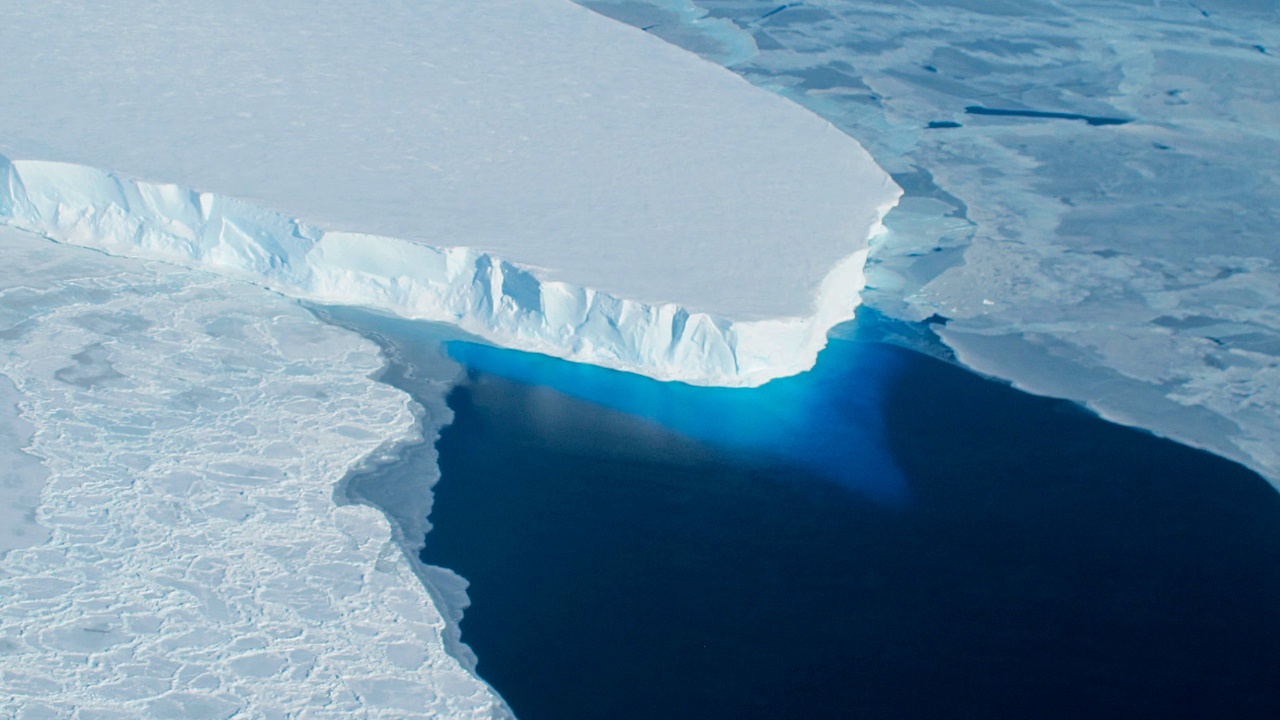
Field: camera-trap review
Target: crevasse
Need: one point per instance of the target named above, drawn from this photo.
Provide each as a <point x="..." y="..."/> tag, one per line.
<point x="499" y="301"/>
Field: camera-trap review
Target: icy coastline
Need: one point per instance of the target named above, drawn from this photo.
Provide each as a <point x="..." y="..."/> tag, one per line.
<point x="612" y="198"/>
<point x="497" y="300"/>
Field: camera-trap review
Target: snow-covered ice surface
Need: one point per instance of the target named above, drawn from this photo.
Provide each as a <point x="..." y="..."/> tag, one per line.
<point x="474" y="290"/>
<point x="198" y="564"/>
<point x="22" y="477"/>
<point x="1127" y="259"/>
<point x="625" y="202"/>
<point x="553" y="181"/>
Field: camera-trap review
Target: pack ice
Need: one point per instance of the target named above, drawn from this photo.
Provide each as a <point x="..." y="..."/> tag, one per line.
<point x="192" y="562"/>
<point x="544" y="177"/>
<point x="1091" y="190"/>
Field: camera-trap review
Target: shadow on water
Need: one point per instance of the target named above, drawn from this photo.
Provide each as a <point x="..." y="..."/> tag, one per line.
<point x="636" y="552"/>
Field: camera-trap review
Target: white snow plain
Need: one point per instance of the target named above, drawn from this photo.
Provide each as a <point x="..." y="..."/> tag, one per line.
<point x="1133" y="268"/>
<point x="194" y="430"/>
<point x="623" y="201"/>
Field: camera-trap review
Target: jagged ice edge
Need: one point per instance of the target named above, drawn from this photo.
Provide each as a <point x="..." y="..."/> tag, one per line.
<point x="496" y="300"/>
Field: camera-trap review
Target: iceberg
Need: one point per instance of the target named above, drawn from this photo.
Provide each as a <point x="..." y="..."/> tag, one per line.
<point x="546" y="178"/>
<point x="499" y="301"/>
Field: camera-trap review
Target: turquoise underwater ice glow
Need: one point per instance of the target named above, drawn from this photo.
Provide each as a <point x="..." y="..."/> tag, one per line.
<point x="817" y="422"/>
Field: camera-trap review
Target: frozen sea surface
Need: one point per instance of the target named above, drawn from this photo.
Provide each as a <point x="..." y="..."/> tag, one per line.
<point x="199" y="563"/>
<point x="1132" y="267"/>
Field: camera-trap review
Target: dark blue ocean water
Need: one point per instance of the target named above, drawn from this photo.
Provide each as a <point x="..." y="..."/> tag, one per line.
<point x="885" y="537"/>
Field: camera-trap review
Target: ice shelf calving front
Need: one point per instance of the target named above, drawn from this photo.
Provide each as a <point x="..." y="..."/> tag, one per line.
<point x="543" y="176"/>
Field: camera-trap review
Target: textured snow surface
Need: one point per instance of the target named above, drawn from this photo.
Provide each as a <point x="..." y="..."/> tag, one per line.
<point x="194" y="430"/>
<point x="535" y="131"/>
<point x="21" y="475"/>
<point x="1131" y="267"/>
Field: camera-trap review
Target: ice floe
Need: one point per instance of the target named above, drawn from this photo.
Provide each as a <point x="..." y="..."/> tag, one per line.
<point x="198" y="565"/>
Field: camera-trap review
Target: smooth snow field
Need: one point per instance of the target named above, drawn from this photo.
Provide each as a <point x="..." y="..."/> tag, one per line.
<point x="1129" y="263"/>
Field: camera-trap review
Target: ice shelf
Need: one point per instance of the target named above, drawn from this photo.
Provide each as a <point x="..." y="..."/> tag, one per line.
<point x="21" y="476"/>
<point x="614" y="199"/>
<point x="483" y="294"/>
<point x="532" y="172"/>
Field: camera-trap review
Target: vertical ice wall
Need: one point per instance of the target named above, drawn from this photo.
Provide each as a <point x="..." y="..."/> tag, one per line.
<point x="507" y="304"/>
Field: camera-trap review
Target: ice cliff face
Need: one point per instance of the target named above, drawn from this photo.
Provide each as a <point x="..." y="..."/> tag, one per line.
<point x="497" y="300"/>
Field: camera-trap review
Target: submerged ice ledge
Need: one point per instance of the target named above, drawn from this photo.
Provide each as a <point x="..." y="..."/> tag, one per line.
<point x="499" y="301"/>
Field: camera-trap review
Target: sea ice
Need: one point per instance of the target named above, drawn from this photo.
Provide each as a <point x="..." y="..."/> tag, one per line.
<point x="198" y="565"/>
<point x="537" y="174"/>
<point x="1132" y="267"/>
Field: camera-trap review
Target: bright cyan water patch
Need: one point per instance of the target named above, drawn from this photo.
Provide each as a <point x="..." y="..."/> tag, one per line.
<point x="818" y="421"/>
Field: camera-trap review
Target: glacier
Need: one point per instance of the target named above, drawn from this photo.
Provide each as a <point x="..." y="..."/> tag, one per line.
<point x="614" y="199"/>
<point x="181" y="432"/>
<point x="175" y="433"/>
<point x="499" y="301"/>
